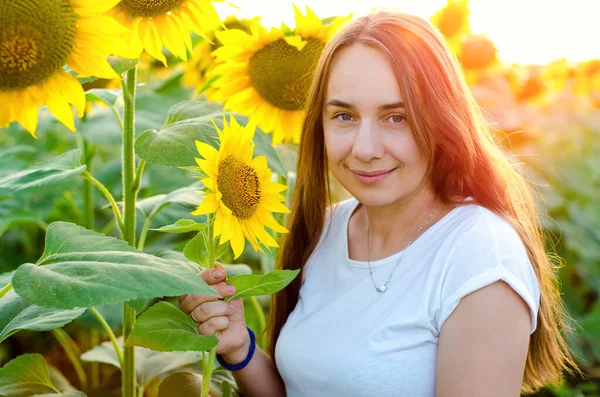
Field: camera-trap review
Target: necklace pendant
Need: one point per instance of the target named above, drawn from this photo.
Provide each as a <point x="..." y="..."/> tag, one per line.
<point x="382" y="288"/>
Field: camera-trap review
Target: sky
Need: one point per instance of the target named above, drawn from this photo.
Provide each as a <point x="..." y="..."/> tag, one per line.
<point x="525" y="31"/>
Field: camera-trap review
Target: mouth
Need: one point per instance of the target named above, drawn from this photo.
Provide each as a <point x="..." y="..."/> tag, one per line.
<point x="370" y="177"/>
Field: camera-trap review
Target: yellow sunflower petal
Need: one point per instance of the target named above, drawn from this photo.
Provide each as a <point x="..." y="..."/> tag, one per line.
<point x="237" y="238"/>
<point x="207" y="206"/>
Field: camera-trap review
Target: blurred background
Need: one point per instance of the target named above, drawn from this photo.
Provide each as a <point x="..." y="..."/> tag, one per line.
<point x="534" y="66"/>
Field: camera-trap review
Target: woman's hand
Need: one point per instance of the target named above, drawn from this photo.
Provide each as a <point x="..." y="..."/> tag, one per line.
<point x="212" y="314"/>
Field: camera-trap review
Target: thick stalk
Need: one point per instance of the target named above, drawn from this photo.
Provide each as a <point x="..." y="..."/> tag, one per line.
<point x="69" y="347"/>
<point x="128" y="375"/>
<point x="207" y="368"/>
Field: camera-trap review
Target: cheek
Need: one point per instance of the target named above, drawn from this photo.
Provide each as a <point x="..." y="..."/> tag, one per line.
<point x="406" y="150"/>
<point x="338" y="146"/>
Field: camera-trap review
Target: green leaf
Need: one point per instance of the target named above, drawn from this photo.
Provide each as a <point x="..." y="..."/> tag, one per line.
<point x="220" y="249"/>
<point x="165" y="328"/>
<point x="175" y="146"/>
<point x="192" y="109"/>
<point x="18" y="314"/>
<point x="82" y="268"/>
<point x="20" y="218"/>
<point x="196" y="250"/>
<point x="188" y="196"/>
<point x="57" y="169"/>
<point x="261" y="284"/>
<point x="226" y="389"/>
<point x="182" y="226"/>
<point x="138" y="304"/>
<point x="109" y="97"/>
<point x="176" y="256"/>
<point x="120" y="65"/>
<point x="150" y="365"/>
<point x="25" y="376"/>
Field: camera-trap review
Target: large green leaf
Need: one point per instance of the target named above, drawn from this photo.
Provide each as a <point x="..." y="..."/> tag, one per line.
<point x="165" y="328"/>
<point x="191" y="109"/>
<point x="196" y="250"/>
<point x="16" y="314"/>
<point x="82" y="268"/>
<point x="149" y="364"/>
<point x="175" y="145"/>
<point x="109" y="97"/>
<point x="182" y="226"/>
<point x="261" y="284"/>
<point x="188" y="197"/>
<point x="25" y="376"/>
<point x="57" y="169"/>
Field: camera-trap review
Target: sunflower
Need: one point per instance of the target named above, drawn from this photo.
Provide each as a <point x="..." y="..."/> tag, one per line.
<point x="157" y="23"/>
<point x="201" y="62"/>
<point x="239" y="189"/>
<point x="453" y="21"/>
<point x="266" y="75"/>
<point x="38" y="37"/>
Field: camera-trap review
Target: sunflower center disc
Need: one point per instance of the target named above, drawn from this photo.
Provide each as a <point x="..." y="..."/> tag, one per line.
<point x="282" y="75"/>
<point x="36" y="39"/>
<point x="239" y="184"/>
<point x="149" y="8"/>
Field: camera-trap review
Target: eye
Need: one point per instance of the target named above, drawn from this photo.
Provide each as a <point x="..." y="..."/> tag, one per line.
<point x="396" y="119"/>
<point x="343" y="117"/>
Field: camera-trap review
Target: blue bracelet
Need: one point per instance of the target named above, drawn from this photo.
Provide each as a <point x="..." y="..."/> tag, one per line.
<point x="241" y="365"/>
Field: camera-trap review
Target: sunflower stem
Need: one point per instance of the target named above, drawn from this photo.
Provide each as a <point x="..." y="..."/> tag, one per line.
<point x="207" y="368"/>
<point x="128" y="374"/>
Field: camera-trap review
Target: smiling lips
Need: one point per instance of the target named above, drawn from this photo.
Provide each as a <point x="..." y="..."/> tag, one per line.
<point x="370" y="177"/>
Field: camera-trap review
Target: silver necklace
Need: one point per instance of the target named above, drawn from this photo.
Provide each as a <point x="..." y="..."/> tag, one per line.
<point x="383" y="287"/>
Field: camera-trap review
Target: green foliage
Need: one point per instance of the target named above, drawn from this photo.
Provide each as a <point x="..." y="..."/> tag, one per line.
<point x="82" y="268"/>
<point x="261" y="284"/>
<point x="165" y="328"/>
<point x="25" y="376"/>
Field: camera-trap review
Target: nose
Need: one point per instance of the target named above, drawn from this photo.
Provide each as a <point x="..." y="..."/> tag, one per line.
<point x="367" y="143"/>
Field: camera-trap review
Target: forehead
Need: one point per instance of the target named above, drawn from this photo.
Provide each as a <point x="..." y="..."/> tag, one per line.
<point x="362" y="75"/>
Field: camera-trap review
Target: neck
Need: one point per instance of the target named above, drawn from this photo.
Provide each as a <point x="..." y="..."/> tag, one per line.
<point x="396" y="224"/>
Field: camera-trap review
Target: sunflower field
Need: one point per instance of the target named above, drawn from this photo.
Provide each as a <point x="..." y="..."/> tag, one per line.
<point x="140" y="141"/>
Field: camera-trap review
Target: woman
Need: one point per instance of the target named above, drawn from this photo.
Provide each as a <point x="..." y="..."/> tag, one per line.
<point x="433" y="279"/>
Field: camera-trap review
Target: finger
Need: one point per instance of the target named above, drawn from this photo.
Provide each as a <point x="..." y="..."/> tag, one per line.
<point x="213" y="325"/>
<point x="194" y="300"/>
<point x="212" y="276"/>
<point x="211" y="309"/>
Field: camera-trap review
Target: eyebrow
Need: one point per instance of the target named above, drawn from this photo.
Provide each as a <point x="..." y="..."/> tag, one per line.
<point x="387" y="106"/>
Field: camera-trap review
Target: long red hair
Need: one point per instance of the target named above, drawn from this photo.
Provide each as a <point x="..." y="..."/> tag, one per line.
<point x="463" y="159"/>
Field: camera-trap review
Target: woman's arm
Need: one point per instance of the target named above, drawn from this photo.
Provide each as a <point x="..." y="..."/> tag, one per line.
<point x="483" y="345"/>
<point x="260" y="377"/>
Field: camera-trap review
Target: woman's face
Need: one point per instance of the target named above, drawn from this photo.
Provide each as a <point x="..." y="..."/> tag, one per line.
<point x="370" y="147"/>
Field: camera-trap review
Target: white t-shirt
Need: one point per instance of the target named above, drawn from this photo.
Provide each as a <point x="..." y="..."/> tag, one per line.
<point x="343" y="338"/>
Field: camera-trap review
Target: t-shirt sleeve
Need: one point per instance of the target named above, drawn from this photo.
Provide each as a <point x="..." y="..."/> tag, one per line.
<point x="488" y="251"/>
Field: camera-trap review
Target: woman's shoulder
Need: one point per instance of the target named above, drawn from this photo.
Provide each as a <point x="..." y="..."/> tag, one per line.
<point x="478" y="224"/>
